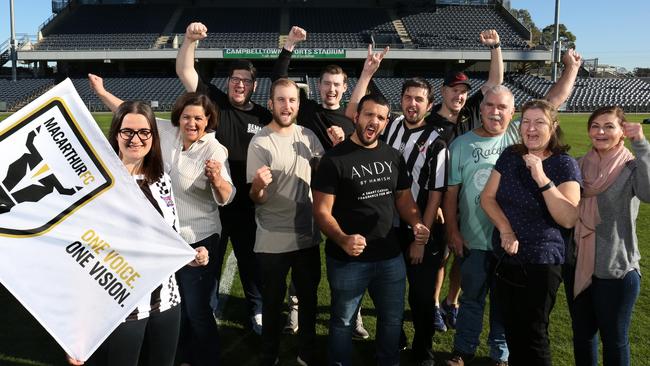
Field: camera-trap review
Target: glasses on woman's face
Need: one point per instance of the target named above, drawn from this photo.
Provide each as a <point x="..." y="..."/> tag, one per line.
<point x="235" y="81"/>
<point x="143" y="133"/>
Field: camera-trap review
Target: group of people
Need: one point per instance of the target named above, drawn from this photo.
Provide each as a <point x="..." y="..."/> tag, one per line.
<point x="393" y="196"/>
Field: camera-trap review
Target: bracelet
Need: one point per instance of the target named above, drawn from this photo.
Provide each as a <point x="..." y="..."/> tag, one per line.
<point x="507" y="233"/>
<point x="548" y="186"/>
<point x="495" y="46"/>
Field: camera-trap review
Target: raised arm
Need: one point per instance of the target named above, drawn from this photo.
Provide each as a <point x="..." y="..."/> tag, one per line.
<point x="490" y="38"/>
<point x="281" y="66"/>
<point x="185" y="57"/>
<point x="97" y="85"/>
<point x="370" y="66"/>
<point x="561" y="90"/>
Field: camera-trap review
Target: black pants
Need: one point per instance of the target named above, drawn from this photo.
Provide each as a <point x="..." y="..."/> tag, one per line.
<point x="159" y="332"/>
<point x="199" y="338"/>
<point x="422" y="280"/>
<point x="526" y="295"/>
<point x="305" y="271"/>
<point x="240" y="229"/>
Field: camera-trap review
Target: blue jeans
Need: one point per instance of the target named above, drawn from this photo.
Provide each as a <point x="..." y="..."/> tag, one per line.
<point x="476" y="281"/>
<point x="199" y="337"/>
<point x="606" y="307"/>
<point x="386" y="284"/>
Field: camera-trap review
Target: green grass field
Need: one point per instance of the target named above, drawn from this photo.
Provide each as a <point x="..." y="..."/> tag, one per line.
<point x="24" y="342"/>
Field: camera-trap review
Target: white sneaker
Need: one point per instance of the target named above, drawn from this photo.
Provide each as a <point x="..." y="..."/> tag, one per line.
<point x="291" y="327"/>
<point x="359" y="332"/>
<point x="256" y="321"/>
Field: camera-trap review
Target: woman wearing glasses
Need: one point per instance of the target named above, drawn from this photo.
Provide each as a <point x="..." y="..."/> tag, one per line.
<point x="603" y="283"/>
<point x="156" y="320"/>
<point x="532" y="198"/>
<point x="198" y="167"/>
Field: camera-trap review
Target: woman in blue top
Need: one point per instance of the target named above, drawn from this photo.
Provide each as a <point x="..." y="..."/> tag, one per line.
<point x="603" y="283"/>
<point x="532" y="198"/>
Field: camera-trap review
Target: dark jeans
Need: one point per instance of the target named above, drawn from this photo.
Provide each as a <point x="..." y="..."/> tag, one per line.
<point x="240" y="230"/>
<point x="199" y="338"/>
<point x="158" y="333"/>
<point x="422" y="280"/>
<point x="606" y="307"/>
<point x="305" y="272"/>
<point x="526" y="295"/>
<point x="384" y="280"/>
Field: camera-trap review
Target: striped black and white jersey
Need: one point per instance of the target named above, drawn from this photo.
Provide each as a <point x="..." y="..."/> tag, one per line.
<point x="166" y="295"/>
<point x="426" y="156"/>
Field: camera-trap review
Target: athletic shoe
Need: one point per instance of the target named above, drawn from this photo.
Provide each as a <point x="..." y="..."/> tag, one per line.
<point x="438" y="322"/>
<point x="256" y="321"/>
<point x="450" y="313"/>
<point x="459" y="359"/>
<point x="291" y="327"/>
<point x="359" y="332"/>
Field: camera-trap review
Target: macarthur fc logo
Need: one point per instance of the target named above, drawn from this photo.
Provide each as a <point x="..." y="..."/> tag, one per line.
<point x="48" y="169"/>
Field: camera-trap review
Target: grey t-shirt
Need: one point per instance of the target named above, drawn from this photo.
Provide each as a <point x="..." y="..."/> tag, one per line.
<point x="285" y="221"/>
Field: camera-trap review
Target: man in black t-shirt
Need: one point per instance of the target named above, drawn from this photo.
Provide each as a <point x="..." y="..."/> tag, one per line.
<point x="359" y="186"/>
<point x="239" y="120"/>
<point x="327" y="119"/>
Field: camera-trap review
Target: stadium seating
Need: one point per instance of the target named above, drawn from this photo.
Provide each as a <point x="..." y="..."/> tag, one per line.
<point x="18" y="93"/>
<point x="453" y="27"/>
<point x="631" y="94"/>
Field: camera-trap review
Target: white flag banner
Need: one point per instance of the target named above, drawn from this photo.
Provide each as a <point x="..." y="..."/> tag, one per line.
<point x="80" y="244"/>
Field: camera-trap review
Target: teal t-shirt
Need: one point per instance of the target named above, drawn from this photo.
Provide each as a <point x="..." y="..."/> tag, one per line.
<point x="471" y="162"/>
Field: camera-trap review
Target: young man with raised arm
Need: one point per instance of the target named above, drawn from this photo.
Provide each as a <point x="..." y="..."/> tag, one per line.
<point x="239" y="120"/>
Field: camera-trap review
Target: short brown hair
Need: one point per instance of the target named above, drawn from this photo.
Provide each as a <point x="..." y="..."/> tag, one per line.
<point x="615" y="110"/>
<point x="152" y="164"/>
<point x="210" y="110"/>
<point x="334" y="70"/>
<point x="555" y="143"/>
<point x="282" y="82"/>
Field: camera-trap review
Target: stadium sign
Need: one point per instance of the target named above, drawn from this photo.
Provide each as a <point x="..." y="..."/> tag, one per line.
<point x="81" y="245"/>
<point x="256" y="53"/>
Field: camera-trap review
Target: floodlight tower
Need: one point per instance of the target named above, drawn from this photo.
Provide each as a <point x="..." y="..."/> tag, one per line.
<point x="13" y="41"/>
<point x="556" y="43"/>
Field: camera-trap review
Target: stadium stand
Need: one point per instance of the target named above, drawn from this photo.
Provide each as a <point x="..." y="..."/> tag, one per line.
<point x="452" y="27"/>
<point x="233" y="27"/>
<point x="632" y="94"/>
<point x="18" y="93"/>
<point x="133" y="26"/>
<point x="332" y="28"/>
<point x="159" y="24"/>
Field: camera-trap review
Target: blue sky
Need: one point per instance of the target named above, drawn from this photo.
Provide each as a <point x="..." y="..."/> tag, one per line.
<point x="612" y="31"/>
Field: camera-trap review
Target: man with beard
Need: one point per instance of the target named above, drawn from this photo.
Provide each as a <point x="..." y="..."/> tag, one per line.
<point x="239" y="120"/>
<point x="278" y="168"/>
<point x="359" y="186"/>
<point x="328" y="121"/>
<point x="426" y="156"/>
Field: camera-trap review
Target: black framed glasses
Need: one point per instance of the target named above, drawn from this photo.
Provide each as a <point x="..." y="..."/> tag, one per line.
<point x="502" y="275"/>
<point x="143" y="133"/>
<point x="235" y="81"/>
